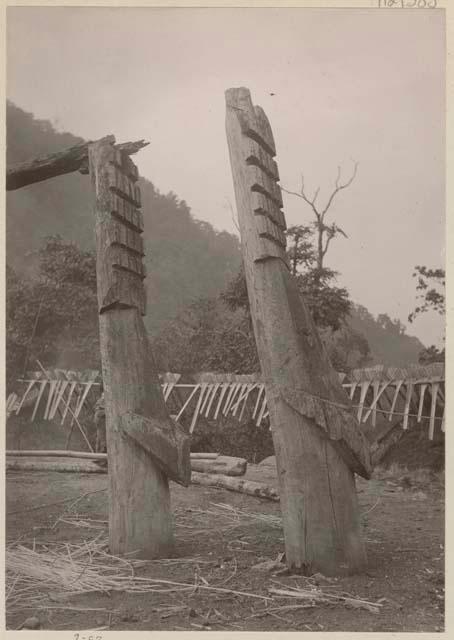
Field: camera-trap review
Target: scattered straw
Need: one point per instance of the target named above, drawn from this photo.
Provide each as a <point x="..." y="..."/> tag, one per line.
<point x="372" y="508"/>
<point x="226" y="517"/>
<point x="245" y="517"/>
<point x="315" y="595"/>
<point x="33" y="575"/>
<point x="54" y="504"/>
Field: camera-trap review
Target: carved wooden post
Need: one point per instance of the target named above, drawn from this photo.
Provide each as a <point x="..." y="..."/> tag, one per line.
<point x="144" y="445"/>
<point x="317" y="440"/>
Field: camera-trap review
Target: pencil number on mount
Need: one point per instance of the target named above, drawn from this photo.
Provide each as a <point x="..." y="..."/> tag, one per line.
<point x="407" y="4"/>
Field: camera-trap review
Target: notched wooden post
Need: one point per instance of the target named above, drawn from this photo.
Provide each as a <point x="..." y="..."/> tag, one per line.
<point x="145" y="446"/>
<point x="317" y="440"/>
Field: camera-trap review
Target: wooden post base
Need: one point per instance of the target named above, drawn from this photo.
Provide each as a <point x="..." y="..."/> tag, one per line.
<point x="140" y="518"/>
<point x="319" y="504"/>
<point x="317" y="441"/>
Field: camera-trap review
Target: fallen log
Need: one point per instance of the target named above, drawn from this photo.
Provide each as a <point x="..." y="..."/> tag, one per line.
<point x="224" y="465"/>
<point x="89" y="462"/>
<point x="249" y="487"/>
<point x="51" y="465"/>
<point x="204" y="456"/>
<point x="55" y="453"/>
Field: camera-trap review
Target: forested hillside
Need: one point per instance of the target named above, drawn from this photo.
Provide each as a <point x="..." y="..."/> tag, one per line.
<point x="388" y="342"/>
<point x="186" y="259"/>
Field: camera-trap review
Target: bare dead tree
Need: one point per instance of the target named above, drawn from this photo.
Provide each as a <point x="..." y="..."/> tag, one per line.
<point x="325" y="233"/>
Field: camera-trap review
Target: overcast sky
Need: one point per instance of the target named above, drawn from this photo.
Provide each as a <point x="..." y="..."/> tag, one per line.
<point x="349" y="85"/>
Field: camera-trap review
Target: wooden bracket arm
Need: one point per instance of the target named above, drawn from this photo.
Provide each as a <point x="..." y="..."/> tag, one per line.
<point x="59" y="163"/>
<point x="164" y="441"/>
<point x="380" y="447"/>
<point x="335" y="424"/>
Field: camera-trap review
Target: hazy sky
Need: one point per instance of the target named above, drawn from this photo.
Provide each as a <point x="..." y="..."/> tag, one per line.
<point x="350" y="85"/>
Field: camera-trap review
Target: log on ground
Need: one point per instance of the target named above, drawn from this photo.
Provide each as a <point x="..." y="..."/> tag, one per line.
<point x="249" y="487"/>
<point x="53" y="465"/>
<point x="58" y="453"/>
<point x="224" y="465"/>
<point x="89" y="462"/>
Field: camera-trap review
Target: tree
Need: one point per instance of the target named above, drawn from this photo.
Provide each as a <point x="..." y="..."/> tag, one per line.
<point x="324" y="233"/>
<point x="21" y="308"/>
<point x="207" y="335"/>
<point x="301" y="253"/>
<point x="329" y="305"/>
<point x="215" y="334"/>
<point x="54" y="317"/>
<point x="431" y="297"/>
<point x="392" y="326"/>
<point x="431" y="354"/>
<point x="347" y="348"/>
<point x="431" y="291"/>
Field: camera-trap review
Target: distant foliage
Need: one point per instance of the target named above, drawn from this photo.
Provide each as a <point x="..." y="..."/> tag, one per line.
<point x="347" y="348"/>
<point x="234" y="438"/>
<point x="394" y="327"/>
<point x="324" y="233"/>
<point x="431" y="354"/>
<point x="53" y="317"/>
<point x="20" y="308"/>
<point x="430" y="289"/>
<point x="207" y="336"/>
<point x="185" y="258"/>
<point x="301" y="252"/>
<point x="389" y="345"/>
<point x="329" y="305"/>
<point x="430" y="286"/>
<point x="198" y="311"/>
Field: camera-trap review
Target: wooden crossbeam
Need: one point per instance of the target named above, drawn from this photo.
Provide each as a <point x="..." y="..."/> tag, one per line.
<point x="60" y="163"/>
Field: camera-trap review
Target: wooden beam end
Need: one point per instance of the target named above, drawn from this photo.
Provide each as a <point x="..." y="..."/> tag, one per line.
<point x="164" y="441"/>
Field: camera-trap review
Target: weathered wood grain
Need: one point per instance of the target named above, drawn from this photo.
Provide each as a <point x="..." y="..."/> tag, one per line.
<point x="140" y="518"/>
<point x="165" y="442"/>
<point x="56" y="164"/>
<point x="240" y="485"/>
<point x="317" y="441"/>
<point x="225" y="465"/>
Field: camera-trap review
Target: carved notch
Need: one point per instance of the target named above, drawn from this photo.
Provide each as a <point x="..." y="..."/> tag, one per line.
<point x="262" y="176"/>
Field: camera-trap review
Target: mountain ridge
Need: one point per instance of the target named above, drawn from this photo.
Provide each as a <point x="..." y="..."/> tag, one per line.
<point x="185" y="258"/>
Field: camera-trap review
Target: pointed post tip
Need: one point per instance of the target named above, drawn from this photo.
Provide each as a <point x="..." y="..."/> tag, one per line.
<point x="238" y="98"/>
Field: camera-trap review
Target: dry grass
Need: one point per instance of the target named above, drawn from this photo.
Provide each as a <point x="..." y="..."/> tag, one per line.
<point x="421" y="475"/>
<point x="46" y="574"/>
<point x="194" y="522"/>
<point x="313" y="595"/>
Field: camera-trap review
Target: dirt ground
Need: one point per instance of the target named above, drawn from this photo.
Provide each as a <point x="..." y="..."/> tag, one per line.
<point x="403" y="519"/>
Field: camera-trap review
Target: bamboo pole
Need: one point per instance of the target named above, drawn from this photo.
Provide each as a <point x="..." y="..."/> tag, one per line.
<point x="70" y="410"/>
